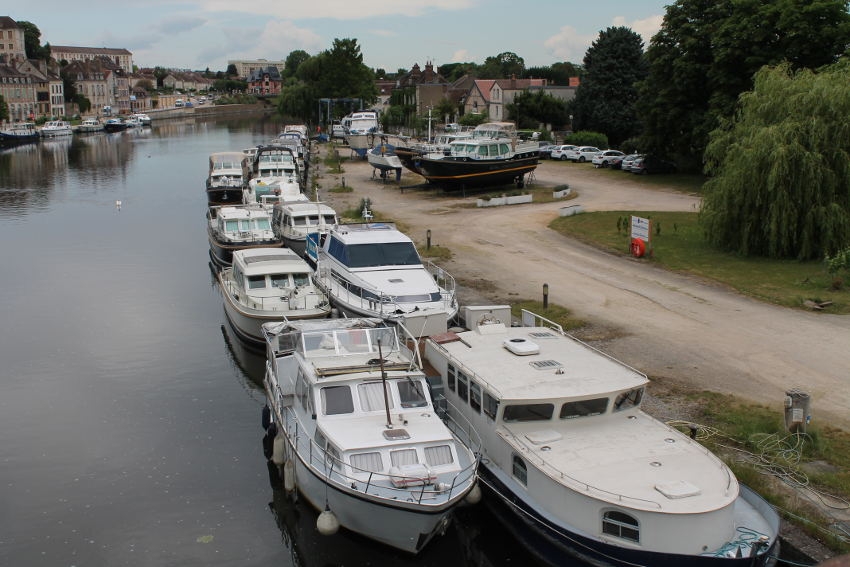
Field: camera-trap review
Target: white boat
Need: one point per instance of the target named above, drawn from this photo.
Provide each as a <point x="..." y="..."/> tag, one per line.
<point x="294" y="220"/>
<point x="269" y="284"/>
<point x="238" y="227"/>
<point x="144" y="119"/>
<point x="133" y="121"/>
<point x="360" y="130"/>
<point x="89" y="126"/>
<point x="383" y="158"/>
<point x="55" y="128"/>
<point x="271" y="161"/>
<point x="270" y="190"/>
<point x="575" y="467"/>
<point x="374" y="270"/>
<point x="224" y="178"/>
<point x="351" y="424"/>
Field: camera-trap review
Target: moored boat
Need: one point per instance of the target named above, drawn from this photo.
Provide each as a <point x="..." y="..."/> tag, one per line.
<point x="238" y="227"/>
<point x="374" y="270"/>
<point x="575" y="467"/>
<point x="492" y="156"/>
<point x="224" y="178"/>
<point x="56" y="128"/>
<point x="269" y="284"/>
<point x="294" y="220"/>
<point x="89" y="126"/>
<point x="19" y="133"/>
<point x="351" y="426"/>
<point x="114" y="125"/>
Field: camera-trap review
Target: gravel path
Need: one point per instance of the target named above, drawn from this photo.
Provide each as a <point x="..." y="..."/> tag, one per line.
<point x="677" y="329"/>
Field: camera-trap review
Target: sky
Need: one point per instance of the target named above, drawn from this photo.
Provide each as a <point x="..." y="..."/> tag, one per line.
<point x="392" y="34"/>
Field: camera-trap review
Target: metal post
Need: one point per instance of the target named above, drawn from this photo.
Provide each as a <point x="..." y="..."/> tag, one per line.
<point x="545" y="296"/>
<point x="428" y="240"/>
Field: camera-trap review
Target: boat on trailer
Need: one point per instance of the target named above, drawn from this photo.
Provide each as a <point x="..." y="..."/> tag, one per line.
<point x="574" y="466"/>
<point x="350" y="424"/>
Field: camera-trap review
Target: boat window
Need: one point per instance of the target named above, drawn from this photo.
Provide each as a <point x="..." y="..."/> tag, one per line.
<point x="404" y="457"/>
<point x="503" y="149"/>
<point x="622" y="525"/>
<point x="482" y="151"/>
<point x="320" y="440"/>
<point x="412" y="394"/>
<point x="313" y="220"/>
<point x="383" y="254"/>
<point x="528" y="412"/>
<point x="372" y="396"/>
<point x="301" y="279"/>
<point x="628" y="399"/>
<point x="333" y="452"/>
<point x="330" y="219"/>
<point x="582" y="408"/>
<point x="475" y="396"/>
<point x="263" y="224"/>
<point x="231" y="225"/>
<point x="450" y="377"/>
<point x="519" y="470"/>
<point x="302" y="392"/>
<point x="280" y="280"/>
<point x="367" y="462"/>
<point x="337" y="400"/>
<point x="299" y="221"/>
<point x="491" y="405"/>
<point x="462" y="386"/>
<point x="256" y="282"/>
<point x="439" y="455"/>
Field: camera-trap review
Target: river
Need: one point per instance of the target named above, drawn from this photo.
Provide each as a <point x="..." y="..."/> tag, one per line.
<point x="129" y="418"/>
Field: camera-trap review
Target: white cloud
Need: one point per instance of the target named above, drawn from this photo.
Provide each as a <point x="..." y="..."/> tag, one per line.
<point x="335" y="9"/>
<point x="646" y="28"/>
<point x="460" y="56"/>
<point x="569" y="45"/>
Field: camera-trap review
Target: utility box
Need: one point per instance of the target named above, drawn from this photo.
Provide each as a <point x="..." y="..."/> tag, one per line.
<point x="797" y="410"/>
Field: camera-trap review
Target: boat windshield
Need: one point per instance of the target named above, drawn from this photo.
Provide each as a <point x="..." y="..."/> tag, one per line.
<point x="349" y="341"/>
<point x="383" y="254"/>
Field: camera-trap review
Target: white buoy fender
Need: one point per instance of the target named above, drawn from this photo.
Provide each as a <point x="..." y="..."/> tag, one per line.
<point x="474" y="495"/>
<point x="289" y="476"/>
<point x="327" y="524"/>
<point x="278" y="450"/>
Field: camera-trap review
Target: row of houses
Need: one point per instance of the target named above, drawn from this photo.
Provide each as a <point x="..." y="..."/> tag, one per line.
<point x="34" y="88"/>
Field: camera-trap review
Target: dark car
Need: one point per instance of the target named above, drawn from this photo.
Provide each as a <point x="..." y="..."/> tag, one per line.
<point x="652" y="164"/>
<point x="545" y="150"/>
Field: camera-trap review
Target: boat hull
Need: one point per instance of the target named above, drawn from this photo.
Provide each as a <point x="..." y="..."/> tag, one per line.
<point x="224" y="195"/>
<point x="14" y="139"/>
<point x="557" y="545"/>
<point x="222" y="253"/>
<point x="475" y="173"/>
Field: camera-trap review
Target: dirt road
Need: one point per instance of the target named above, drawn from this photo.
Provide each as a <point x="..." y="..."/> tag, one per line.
<point x="676" y="329"/>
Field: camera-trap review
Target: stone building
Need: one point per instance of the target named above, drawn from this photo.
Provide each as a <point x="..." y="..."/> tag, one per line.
<point x="244" y="67"/>
<point x="120" y="57"/>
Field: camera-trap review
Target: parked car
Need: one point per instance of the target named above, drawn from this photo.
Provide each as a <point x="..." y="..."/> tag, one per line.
<point x="559" y="152"/>
<point x="652" y="164"/>
<point x="582" y="153"/>
<point x="626" y="163"/>
<point x="604" y="158"/>
<point x="545" y="149"/>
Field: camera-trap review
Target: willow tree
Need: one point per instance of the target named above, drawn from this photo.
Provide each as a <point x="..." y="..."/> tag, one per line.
<point x="780" y="170"/>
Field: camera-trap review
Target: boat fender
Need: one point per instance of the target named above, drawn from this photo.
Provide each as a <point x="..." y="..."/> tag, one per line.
<point x="267" y="416"/>
<point x="289" y="475"/>
<point x="474" y="495"/>
<point x="278" y="450"/>
<point x="327" y="523"/>
<point x="268" y="440"/>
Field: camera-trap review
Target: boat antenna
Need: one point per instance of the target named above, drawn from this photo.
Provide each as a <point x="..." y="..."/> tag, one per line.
<point x="384" y="384"/>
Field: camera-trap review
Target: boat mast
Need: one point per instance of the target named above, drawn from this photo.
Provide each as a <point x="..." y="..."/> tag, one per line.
<point x="384" y="384"/>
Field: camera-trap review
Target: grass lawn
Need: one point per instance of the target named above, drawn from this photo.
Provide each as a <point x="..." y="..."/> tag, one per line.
<point x="677" y="243"/>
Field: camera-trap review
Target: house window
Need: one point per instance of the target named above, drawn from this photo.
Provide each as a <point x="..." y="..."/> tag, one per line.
<point x="520" y="470"/>
<point x="621" y="525"/>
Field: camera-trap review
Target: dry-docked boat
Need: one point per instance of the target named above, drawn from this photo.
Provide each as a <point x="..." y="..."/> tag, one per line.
<point x="239" y="227"/>
<point x="269" y="284"/>
<point x="351" y="424"/>
<point x="374" y="270"/>
<point x="493" y="156"/>
<point x="224" y="178"/>
<point x="575" y="467"/>
<point x="360" y="130"/>
<point x="382" y="157"/>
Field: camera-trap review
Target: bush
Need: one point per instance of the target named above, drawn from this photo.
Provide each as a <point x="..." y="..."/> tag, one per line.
<point x="587" y="138"/>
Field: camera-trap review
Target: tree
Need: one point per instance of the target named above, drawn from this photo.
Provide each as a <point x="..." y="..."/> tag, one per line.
<point x="146" y="84"/>
<point x="605" y="99"/>
<point x="707" y="52"/>
<point x="530" y="109"/>
<point x="160" y="73"/>
<point x="293" y="61"/>
<point x="781" y="176"/>
<point x="556" y="74"/>
<point x="231" y="70"/>
<point x="4" y="109"/>
<point x="502" y="66"/>
<point x="32" y="41"/>
<point x="454" y="71"/>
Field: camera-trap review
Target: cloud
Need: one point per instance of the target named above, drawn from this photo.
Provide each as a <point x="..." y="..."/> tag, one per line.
<point x="646" y="28"/>
<point x="460" y="56"/>
<point x="277" y="36"/>
<point x="180" y="24"/>
<point x="569" y="45"/>
<point x="336" y="9"/>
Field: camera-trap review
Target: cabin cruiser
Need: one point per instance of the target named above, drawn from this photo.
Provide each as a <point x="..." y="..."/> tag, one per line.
<point x="360" y="130"/>
<point x="224" y="178"/>
<point x="55" y="128"/>
<point x="238" y="227"/>
<point x="19" y="133"/>
<point x="294" y="220"/>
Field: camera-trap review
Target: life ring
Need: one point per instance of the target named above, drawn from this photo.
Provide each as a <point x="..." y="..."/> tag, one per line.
<point x="638" y="248"/>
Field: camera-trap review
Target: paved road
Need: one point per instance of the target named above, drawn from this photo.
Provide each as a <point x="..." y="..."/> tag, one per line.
<point x="675" y="328"/>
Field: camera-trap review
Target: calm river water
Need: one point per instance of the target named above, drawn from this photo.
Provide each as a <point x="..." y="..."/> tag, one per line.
<point x="129" y="419"/>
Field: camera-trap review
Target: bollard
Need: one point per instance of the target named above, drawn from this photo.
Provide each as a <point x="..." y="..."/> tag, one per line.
<point x="545" y="296"/>
<point x="343" y="181"/>
<point x="428" y="239"/>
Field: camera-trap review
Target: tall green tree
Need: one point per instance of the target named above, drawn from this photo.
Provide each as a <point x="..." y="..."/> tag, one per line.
<point x="605" y="99"/>
<point x="32" y="41"/>
<point x="293" y="61"/>
<point x="454" y="71"/>
<point x="781" y="170"/>
<point x="530" y="109"/>
<point x="707" y="52"/>
<point x="502" y="66"/>
<point x="555" y="74"/>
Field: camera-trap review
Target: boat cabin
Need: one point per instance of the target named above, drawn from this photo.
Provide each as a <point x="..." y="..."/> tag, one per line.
<point x="242" y="223"/>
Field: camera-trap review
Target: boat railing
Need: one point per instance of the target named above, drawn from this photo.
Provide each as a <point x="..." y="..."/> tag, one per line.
<point x="286" y="299"/>
<point x="444" y="280"/>
<point x="431" y="491"/>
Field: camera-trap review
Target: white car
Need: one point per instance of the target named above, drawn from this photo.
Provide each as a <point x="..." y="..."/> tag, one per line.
<point x="606" y="158"/>
<point x="559" y="152"/>
<point x="582" y="153"/>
